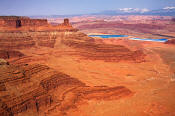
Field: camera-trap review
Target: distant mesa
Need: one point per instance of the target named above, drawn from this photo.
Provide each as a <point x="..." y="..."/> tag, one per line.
<point x="17" y="21"/>
<point x="23" y="32"/>
<point x="20" y="21"/>
<point x="66" y="22"/>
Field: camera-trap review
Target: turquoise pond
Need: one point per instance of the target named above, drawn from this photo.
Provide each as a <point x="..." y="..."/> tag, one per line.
<point x="155" y="40"/>
<point x="115" y="36"/>
<point x="108" y="36"/>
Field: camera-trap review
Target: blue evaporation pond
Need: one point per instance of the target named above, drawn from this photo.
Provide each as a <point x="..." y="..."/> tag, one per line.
<point x="155" y="40"/>
<point x="108" y="36"/>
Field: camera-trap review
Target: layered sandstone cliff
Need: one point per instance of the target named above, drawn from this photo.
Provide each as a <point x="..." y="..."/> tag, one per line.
<point x="89" y="49"/>
<point x="7" y="54"/>
<point x="52" y="36"/>
<point x="39" y="90"/>
<point x="18" y="24"/>
<point x="26" y="40"/>
<point x="14" y="21"/>
<point x="30" y="32"/>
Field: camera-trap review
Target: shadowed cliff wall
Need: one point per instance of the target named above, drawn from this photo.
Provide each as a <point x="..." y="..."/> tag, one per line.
<point x="21" y="21"/>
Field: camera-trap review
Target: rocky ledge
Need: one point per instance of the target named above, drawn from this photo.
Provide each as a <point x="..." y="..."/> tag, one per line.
<point x="25" y="37"/>
<point x="89" y="49"/>
<point x="7" y="54"/>
<point x="23" y="32"/>
<point x="39" y="90"/>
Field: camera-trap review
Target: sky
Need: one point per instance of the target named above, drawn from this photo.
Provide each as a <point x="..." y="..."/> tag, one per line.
<point x="67" y="7"/>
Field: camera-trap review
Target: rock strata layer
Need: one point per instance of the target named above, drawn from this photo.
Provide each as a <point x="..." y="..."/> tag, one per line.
<point x="7" y="54"/>
<point x="87" y="48"/>
<point x="30" y="33"/>
<point x="39" y="90"/>
<point x="15" y="21"/>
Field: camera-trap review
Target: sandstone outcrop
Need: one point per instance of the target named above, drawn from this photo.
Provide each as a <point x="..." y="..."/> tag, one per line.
<point x="26" y="40"/>
<point x="47" y="36"/>
<point x="23" y="32"/>
<point x="18" y="24"/>
<point x="171" y="41"/>
<point x="66" y="22"/>
<point x="87" y="48"/>
<point x="40" y="90"/>
<point x="7" y="54"/>
<point x="15" y="21"/>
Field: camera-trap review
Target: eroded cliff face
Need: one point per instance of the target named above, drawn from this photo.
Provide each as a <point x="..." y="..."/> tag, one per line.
<point x="23" y="32"/>
<point x="15" y="21"/>
<point x="52" y="36"/>
<point x="89" y="49"/>
<point x="84" y="45"/>
<point x="27" y="40"/>
<point x="39" y="90"/>
<point x="7" y="54"/>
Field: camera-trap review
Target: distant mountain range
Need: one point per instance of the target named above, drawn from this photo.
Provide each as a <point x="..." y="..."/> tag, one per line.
<point x="167" y="11"/>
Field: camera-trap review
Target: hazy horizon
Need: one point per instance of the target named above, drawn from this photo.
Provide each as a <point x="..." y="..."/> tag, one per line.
<point x="72" y="7"/>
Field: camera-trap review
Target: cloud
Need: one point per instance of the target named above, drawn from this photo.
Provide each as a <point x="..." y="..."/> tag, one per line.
<point x="131" y="10"/>
<point x="144" y="10"/>
<point x="169" y="8"/>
